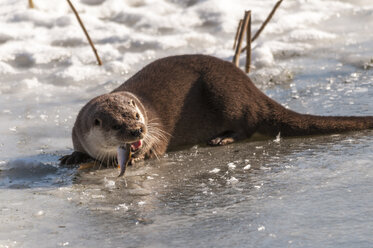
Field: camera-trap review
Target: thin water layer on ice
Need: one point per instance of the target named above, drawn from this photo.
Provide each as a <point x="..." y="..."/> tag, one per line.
<point x="297" y="192"/>
<point x="314" y="57"/>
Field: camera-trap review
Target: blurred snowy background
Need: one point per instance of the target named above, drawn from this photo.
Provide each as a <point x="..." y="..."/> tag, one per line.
<point x="48" y="70"/>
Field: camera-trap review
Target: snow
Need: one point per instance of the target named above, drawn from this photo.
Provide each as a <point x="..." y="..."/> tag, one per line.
<point x="48" y="71"/>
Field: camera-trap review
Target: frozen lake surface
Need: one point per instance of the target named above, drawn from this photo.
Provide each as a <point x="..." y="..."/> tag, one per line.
<point x="314" y="57"/>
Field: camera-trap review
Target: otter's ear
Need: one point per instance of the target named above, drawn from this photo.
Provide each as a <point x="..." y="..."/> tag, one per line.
<point x="97" y="122"/>
<point x="132" y="102"/>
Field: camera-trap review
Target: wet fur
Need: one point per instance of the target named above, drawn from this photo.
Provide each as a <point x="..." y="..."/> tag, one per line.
<point x="193" y="99"/>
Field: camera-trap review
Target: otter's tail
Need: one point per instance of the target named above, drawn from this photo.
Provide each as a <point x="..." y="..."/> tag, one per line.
<point x="290" y="123"/>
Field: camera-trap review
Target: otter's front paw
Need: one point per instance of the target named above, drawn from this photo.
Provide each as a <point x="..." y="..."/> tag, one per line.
<point x="75" y="158"/>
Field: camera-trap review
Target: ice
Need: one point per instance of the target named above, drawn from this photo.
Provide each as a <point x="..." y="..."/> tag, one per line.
<point x="278" y="138"/>
<point x="215" y="170"/>
<point x="231" y="166"/>
<point x="6" y="68"/>
<point x="40" y="213"/>
<point x="261" y="228"/>
<point x="232" y="180"/>
<point x="310" y="34"/>
<point x="263" y="57"/>
<point x="121" y="207"/>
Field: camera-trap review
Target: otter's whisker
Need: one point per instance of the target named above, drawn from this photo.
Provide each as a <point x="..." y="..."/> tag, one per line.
<point x="113" y="162"/>
<point x="100" y="157"/>
<point x="97" y="160"/>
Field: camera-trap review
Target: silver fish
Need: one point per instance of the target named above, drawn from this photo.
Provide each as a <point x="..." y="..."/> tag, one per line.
<point x="124" y="156"/>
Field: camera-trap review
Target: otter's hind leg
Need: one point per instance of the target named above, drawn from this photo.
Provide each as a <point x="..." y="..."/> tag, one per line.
<point x="225" y="138"/>
<point x="75" y="158"/>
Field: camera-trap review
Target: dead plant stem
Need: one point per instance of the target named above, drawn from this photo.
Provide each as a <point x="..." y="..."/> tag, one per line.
<point x="269" y="17"/>
<point x="236" y="56"/>
<point x="85" y="32"/>
<point x="237" y="32"/>
<point x="248" y="45"/>
<point x="31" y="4"/>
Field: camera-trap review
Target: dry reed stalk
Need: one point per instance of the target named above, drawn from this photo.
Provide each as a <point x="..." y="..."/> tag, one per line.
<point x="236" y="36"/>
<point x="31" y="4"/>
<point x="85" y="32"/>
<point x="236" y="56"/>
<point x="269" y="17"/>
<point x="248" y="45"/>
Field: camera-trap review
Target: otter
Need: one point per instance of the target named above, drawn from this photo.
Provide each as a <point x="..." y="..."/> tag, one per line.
<point x="185" y="100"/>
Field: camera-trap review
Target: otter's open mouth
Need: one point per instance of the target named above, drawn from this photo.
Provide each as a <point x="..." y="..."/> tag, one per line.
<point x="136" y="146"/>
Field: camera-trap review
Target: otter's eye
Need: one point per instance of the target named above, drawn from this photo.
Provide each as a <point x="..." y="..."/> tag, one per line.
<point x="97" y="122"/>
<point x="137" y="116"/>
<point x="116" y="127"/>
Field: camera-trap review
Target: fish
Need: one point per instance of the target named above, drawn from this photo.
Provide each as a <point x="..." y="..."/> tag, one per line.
<point x="124" y="154"/>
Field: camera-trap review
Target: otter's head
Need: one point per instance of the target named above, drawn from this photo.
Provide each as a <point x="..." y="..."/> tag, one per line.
<point x="113" y="120"/>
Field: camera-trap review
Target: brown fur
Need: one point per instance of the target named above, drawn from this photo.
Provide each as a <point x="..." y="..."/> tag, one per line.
<point x="198" y="99"/>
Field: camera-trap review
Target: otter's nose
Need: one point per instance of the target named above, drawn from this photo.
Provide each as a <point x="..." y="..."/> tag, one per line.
<point x="136" y="132"/>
